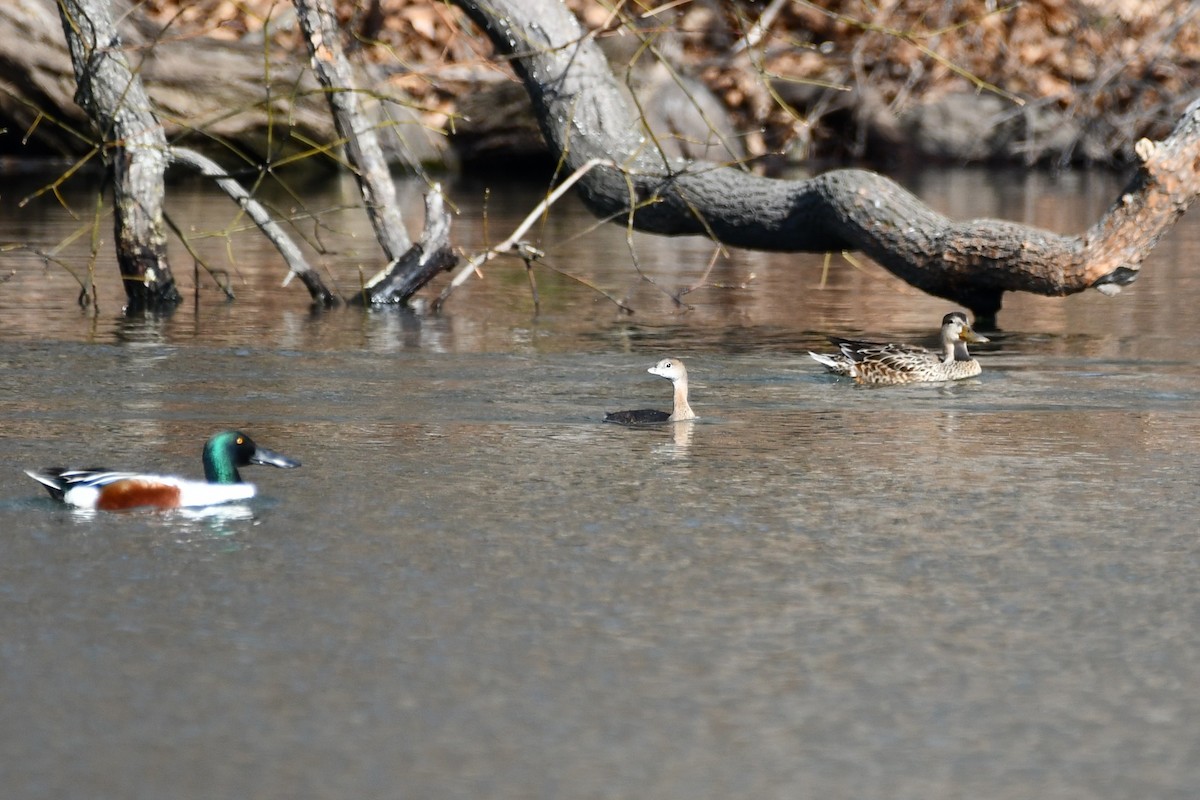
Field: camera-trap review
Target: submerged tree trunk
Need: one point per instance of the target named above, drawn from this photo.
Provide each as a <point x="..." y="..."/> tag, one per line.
<point x="135" y="148"/>
<point x="583" y="115"/>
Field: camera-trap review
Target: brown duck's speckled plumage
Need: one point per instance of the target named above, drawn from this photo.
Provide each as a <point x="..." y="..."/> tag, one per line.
<point x="893" y="364"/>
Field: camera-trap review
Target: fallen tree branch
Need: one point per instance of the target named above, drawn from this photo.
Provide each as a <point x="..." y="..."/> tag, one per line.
<point x="297" y="264"/>
<point x="370" y="169"/>
<point x="584" y="116"/>
<point x="409" y="266"/>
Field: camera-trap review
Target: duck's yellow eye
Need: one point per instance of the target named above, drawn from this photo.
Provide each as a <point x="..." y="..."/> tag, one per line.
<point x="241" y="440"/>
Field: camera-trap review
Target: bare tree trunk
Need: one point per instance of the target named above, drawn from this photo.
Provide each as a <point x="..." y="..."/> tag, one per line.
<point x="583" y="116"/>
<point x="323" y="37"/>
<point x="113" y="97"/>
<point x="409" y="266"/>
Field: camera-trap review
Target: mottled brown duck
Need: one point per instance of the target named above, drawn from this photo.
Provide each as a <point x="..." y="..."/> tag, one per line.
<point x="893" y="364"/>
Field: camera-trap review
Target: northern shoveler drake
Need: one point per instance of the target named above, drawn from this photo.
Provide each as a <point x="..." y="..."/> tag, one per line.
<point x="673" y="370"/>
<point x="891" y="364"/>
<point x="107" y="490"/>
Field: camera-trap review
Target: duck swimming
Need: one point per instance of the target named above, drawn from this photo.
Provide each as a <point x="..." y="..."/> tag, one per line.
<point x="673" y="370"/>
<point x="893" y="364"/>
<point x="107" y="490"/>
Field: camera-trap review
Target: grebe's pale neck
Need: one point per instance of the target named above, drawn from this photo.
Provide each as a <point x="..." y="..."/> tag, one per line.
<point x="673" y="370"/>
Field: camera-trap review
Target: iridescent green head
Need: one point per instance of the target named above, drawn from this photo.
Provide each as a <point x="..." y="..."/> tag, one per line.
<point x="224" y="452"/>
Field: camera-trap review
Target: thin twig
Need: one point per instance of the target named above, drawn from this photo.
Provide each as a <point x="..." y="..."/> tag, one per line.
<point x="199" y="259"/>
<point x="296" y="262"/>
<point x="760" y="27"/>
<point x="475" y="262"/>
<point x="625" y="307"/>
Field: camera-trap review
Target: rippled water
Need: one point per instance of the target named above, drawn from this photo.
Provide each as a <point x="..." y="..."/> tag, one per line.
<point x="473" y="588"/>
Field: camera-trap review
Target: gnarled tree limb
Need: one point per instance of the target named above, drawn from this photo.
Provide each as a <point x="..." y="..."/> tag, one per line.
<point x="584" y="116"/>
<point x="404" y="276"/>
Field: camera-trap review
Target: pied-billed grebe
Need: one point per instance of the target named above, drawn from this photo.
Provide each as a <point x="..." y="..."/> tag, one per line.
<point x="891" y="364"/>
<point x="673" y="370"/>
<point x="111" y="491"/>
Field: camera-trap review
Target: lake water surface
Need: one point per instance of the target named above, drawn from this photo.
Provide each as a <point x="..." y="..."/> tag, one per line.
<point x="475" y="589"/>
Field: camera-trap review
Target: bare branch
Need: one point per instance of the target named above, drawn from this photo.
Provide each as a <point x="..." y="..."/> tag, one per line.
<point x="404" y="276"/>
<point x="271" y="229"/>
<point x="475" y="262"/>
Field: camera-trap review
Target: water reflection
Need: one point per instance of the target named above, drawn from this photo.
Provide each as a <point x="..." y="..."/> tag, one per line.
<point x="229" y="512"/>
<point x="681" y="437"/>
<point x="772" y="294"/>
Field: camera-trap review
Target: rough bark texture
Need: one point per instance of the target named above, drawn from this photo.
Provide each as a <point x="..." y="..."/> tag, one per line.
<point x="418" y="265"/>
<point x="357" y="133"/>
<point x="583" y="115"/>
<point x="409" y="266"/>
<point x="136" y="150"/>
